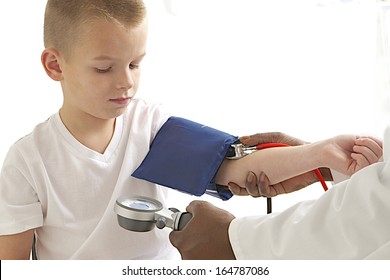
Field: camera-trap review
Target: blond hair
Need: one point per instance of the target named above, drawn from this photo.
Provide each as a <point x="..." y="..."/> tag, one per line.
<point x="65" y="18"/>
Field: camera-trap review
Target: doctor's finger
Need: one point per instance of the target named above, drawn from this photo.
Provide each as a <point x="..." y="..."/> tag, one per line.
<point x="270" y="137"/>
<point x="251" y="184"/>
<point x="236" y="189"/>
<point x="197" y="206"/>
<point x="264" y="186"/>
<point x="175" y="238"/>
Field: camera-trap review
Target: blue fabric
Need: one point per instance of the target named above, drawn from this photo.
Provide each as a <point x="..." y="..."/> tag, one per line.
<point x="186" y="156"/>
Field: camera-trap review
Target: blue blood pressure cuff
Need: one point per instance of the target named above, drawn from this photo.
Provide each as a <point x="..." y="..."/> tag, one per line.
<point x="186" y="156"/>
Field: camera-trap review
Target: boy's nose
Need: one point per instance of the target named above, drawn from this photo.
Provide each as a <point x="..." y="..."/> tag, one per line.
<point x="126" y="81"/>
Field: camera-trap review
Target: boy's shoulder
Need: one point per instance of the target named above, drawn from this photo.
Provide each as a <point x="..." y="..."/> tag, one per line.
<point x="41" y="130"/>
<point x="49" y="131"/>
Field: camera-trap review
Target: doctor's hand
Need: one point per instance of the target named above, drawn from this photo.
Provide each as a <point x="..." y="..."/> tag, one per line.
<point x="205" y="237"/>
<point x="258" y="184"/>
<point x="271" y="137"/>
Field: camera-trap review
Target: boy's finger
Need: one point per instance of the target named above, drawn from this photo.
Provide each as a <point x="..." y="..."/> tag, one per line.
<point x="367" y="153"/>
<point x="373" y="144"/>
<point x="361" y="161"/>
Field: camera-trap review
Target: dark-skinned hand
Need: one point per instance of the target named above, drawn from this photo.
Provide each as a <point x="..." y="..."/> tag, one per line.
<point x="205" y="237"/>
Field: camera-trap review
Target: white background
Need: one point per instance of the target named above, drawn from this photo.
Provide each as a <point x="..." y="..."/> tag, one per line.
<point x="306" y="68"/>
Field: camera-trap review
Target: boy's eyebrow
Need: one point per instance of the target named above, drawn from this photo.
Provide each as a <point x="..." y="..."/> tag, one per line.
<point x="107" y="57"/>
<point x="103" y="57"/>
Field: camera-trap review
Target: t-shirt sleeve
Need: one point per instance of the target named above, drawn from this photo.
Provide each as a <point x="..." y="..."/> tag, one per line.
<point x="20" y="209"/>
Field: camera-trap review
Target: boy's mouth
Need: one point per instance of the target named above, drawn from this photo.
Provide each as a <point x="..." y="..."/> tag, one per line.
<point x="121" y="100"/>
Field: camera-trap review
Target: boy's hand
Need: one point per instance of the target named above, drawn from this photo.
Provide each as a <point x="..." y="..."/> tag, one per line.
<point x="348" y="154"/>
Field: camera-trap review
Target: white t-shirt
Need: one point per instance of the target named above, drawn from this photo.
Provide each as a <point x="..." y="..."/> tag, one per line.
<point x="51" y="182"/>
<point x="350" y="221"/>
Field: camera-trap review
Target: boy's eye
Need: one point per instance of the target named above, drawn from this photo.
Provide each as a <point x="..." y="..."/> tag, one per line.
<point x="103" y="70"/>
<point x="134" y="66"/>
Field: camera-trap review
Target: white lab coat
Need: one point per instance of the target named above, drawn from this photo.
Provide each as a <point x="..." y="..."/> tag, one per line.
<point x="350" y="221"/>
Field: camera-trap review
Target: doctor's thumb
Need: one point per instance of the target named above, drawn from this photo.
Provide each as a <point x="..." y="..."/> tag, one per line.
<point x="174" y="238"/>
<point x="182" y="243"/>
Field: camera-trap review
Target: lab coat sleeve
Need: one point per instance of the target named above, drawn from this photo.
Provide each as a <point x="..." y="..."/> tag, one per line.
<point x="338" y="177"/>
<point x="350" y="221"/>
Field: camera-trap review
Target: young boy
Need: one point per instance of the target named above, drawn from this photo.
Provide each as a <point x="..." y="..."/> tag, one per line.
<point x="61" y="181"/>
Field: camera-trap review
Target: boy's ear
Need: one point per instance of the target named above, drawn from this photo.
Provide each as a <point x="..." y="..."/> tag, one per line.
<point x="51" y="64"/>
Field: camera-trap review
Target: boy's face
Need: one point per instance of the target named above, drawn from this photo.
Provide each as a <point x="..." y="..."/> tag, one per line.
<point x="101" y="75"/>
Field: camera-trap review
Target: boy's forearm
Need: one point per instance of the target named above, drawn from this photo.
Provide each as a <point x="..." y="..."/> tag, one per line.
<point x="16" y="246"/>
<point x="278" y="163"/>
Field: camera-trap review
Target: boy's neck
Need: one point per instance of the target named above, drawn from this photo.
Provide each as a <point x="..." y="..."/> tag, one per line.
<point x="90" y="131"/>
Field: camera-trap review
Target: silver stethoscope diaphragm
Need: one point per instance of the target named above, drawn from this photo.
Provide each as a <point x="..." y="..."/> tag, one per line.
<point x="140" y="213"/>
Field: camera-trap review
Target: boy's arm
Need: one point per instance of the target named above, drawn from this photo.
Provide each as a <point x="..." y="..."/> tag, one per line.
<point x="346" y="154"/>
<point x="258" y="184"/>
<point x="278" y="163"/>
<point x="16" y="246"/>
